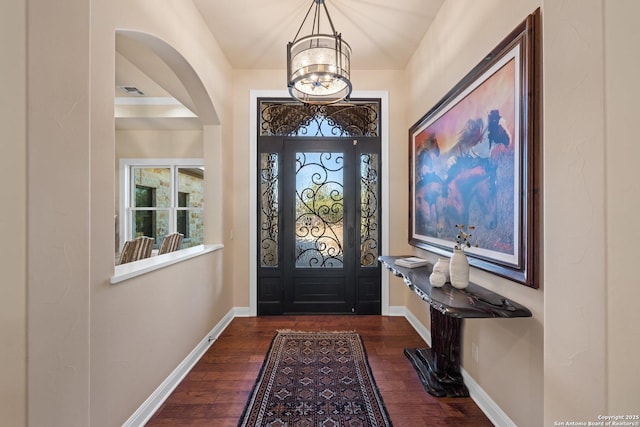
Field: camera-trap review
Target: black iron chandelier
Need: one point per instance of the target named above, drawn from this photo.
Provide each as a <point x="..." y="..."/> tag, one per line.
<point x="318" y="65"/>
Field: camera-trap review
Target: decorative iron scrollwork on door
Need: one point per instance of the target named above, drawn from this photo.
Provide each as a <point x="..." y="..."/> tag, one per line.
<point x="319" y="210"/>
<point x="369" y="212"/>
<point x="290" y="118"/>
<point x="269" y="210"/>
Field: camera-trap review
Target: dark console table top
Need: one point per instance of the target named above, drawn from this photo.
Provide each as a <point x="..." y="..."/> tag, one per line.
<point x="472" y="302"/>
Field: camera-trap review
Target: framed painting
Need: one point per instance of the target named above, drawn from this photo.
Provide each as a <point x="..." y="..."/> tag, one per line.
<point x="474" y="159"/>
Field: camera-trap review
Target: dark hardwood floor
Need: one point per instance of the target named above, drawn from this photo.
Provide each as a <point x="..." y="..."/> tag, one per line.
<point x="215" y="391"/>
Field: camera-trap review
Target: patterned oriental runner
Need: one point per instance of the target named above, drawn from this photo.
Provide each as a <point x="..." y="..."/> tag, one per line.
<point x="315" y="379"/>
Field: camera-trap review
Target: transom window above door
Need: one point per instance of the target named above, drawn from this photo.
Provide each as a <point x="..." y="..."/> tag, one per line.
<point x="286" y="117"/>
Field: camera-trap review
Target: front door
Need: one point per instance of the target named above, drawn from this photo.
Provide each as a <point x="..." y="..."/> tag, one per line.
<point x="319" y="226"/>
<point x="319" y="210"/>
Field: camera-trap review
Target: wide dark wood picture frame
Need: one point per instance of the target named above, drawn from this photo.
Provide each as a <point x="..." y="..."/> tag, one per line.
<point x="475" y="159"/>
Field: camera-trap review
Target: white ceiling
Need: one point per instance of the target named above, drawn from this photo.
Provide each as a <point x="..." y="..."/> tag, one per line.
<point x="253" y="34"/>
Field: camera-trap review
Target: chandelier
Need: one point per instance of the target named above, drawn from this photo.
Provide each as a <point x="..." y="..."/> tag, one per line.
<point x="318" y="65"/>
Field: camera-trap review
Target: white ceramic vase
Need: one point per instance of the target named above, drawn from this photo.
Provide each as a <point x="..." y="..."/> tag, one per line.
<point x="459" y="269"/>
<point x="442" y="266"/>
<point x="437" y="279"/>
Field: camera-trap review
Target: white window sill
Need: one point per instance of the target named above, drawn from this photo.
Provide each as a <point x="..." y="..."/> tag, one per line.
<point x="137" y="268"/>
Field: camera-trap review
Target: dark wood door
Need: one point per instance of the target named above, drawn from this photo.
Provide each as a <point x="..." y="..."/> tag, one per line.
<point x="319" y="226"/>
<point x="327" y="220"/>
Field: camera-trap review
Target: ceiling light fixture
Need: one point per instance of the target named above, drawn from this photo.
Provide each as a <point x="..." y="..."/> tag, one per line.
<point x="318" y="65"/>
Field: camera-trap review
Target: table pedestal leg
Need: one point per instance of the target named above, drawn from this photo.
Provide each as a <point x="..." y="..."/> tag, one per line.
<point x="439" y="366"/>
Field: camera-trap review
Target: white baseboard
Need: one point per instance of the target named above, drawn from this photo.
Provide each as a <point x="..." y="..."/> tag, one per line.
<point x="495" y="414"/>
<point x="242" y="312"/>
<point x="396" y="310"/>
<point x="157" y="398"/>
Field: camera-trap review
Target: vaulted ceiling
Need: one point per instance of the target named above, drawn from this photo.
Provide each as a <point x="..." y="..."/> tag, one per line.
<point x="383" y="34"/>
<point x="253" y="34"/>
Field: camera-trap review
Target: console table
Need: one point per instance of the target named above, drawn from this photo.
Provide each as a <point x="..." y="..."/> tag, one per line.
<point x="439" y="366"/>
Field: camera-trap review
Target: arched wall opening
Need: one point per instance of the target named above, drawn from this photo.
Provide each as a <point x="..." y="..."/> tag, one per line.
<point x="163" y="111"/>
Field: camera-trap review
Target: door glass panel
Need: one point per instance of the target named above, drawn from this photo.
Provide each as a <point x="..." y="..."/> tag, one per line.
<point x="269" y="237"/>
<point x="319" y="212"/>
<point x="369" y="212"/>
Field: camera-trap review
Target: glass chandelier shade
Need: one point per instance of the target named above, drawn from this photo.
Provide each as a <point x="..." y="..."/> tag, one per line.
<point x="318" y="65"/>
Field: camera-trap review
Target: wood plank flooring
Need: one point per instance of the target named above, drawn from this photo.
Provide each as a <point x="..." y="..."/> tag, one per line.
<point x="215" y="391"/>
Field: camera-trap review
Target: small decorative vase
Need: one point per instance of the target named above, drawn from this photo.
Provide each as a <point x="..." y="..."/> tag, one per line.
<point x="459" y="269"/>
<point x="437" y="279"/>
<point x="442" y="266"/>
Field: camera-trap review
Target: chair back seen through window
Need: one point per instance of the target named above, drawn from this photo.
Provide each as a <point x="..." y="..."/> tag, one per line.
<point x="136" y="249"/>
<point x="171" y="242"/>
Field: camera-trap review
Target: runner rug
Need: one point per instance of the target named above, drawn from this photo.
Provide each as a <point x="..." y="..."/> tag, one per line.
<point x="315" y="379"/>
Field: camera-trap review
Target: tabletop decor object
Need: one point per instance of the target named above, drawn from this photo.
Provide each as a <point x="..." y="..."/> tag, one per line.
<point x="459" y="264"/>
<point x="459" y="269"/>
<point x="437" y="279"/>
<point x="440" y="273"/>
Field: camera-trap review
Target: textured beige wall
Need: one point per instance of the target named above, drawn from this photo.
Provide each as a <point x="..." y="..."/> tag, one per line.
<point x="58" y="213"/>
<point x="142" y="328"/>
<point x="510" y="362"/>
<point x="97" y="351"/>
<point x="623" y="203"/>
<point x="158" y="144"/>
<point x="13" y="227"/>
<point x="154" y="323"/>
<point x="575" y="359"/>
<point x="575" y="247"/>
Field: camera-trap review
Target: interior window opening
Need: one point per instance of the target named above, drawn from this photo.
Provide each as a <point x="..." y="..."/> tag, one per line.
<point x="162" y="207"/>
